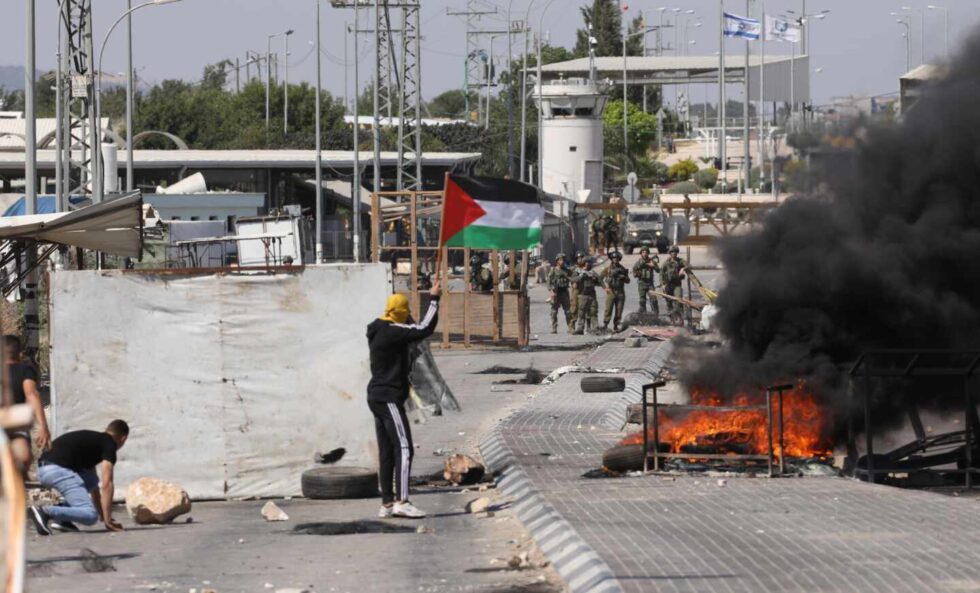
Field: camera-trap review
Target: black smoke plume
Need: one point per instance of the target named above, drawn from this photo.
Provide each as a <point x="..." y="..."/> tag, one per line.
<point x="883" y="253"/>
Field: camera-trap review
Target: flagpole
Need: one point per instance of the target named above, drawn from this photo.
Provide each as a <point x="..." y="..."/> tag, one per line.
<point x="721" y="100"/>
<point x="762" y="101"/>
<point x="442" y="224"/>
<point x="746" y="128"/>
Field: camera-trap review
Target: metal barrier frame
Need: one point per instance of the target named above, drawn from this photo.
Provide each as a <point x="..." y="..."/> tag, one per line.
<point x="776" y="390"/>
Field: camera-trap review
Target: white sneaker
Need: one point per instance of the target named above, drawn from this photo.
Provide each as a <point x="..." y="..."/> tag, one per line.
<point x="385" y="512"/>
<point x="407" y="510"/>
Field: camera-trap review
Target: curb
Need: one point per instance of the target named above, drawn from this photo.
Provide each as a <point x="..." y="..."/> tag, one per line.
<point x="576" y="562"/>
<point x="582" y="569"/>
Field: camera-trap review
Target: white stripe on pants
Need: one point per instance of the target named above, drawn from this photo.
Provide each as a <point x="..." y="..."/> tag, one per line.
<point x="406" y="449"/>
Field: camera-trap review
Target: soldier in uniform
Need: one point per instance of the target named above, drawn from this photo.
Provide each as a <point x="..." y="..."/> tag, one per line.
<point x="615" y="279"/>
<point x="611" y="231"/>
<point x="573" y="292"/>
<point x="645" y="270"/>
<point x="587" y="281"/>
<point x="598" y="235"/>
<point x="671" y="275"/>
<point x="481" y="279"/>
<point x="559" y="280"/>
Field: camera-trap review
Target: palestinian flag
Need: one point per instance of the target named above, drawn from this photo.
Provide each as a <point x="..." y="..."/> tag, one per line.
<point x="489" y="213"/>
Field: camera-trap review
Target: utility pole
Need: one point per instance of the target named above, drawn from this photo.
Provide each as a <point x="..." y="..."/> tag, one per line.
<point x="31" y="320"/>
<point x="722" y="140"/>
<point x="285" y="86"/>
<point x="471" y="66"/>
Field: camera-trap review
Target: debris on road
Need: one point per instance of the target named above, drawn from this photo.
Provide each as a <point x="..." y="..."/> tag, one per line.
<point x="151" y="501"/>
<point x="92" y="562"/>
<point x="332" y="457"/>
<point x="463" y="470"/>
<point x="271" y="512"/>
<point x="634" y="342"/>
<point x="519" y="561"/>
<point x="478" y="505"/>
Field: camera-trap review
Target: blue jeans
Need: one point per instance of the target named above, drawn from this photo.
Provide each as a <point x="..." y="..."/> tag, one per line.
<point x="74" y="487"/>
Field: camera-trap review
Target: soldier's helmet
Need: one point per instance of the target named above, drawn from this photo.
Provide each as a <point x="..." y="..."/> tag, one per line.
<point x="674" y="249"/>
<point x="579" y="255"/>
<point x="560" y="256"/>
<point x="644" y="250"/>
<point x="476" y="260"/>
<point x="616" y="255"/>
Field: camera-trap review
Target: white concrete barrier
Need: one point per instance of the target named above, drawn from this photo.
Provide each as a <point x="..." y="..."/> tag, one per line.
<point x="230" y="383"/>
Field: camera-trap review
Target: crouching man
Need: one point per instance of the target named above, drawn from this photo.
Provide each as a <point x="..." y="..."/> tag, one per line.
<point x="69" y="468"/>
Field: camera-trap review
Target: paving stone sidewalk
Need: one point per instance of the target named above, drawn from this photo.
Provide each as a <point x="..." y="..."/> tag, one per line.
<point x="694" y="533"/>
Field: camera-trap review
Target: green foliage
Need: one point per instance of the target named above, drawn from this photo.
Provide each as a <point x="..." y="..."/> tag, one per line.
<point x="682" y="170"/>
<point x="606" y="19"/>
<point x="706" y="178"/>
<point x="684" y="187"/>
<point x="451" y="104"/>
<point x="803" y="140"/>
<point x="651" y="171"/>
<point x="641" y="128"/>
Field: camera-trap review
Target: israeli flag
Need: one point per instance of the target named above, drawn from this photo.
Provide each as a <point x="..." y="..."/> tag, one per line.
<point x="739" y="26"/>
<point x="782" y="30"/>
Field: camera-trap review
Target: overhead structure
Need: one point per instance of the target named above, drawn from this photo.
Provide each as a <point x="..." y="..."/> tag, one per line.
<point x="397" y="84"/>
<point x="78" y="138"/>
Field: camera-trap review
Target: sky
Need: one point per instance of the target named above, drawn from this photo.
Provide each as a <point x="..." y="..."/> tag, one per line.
<point x="857" y="49"/>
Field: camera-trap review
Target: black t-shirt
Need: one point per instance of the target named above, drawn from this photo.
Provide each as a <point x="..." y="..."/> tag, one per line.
<point x="81" y="449"/>
<point x="20" y="372"/>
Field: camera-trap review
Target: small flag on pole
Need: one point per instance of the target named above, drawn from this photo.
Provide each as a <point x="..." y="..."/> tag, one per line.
<point x="778" y="29"/>
<point x="740" y="26"/>
<point x="489" y="213"/>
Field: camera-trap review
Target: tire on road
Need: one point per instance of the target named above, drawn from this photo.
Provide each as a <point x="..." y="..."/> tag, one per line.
<point x="327" y="483"/>
<point x="623" y="458"/>
<point x="602" y="384"/>
<point x="627" y="458"/>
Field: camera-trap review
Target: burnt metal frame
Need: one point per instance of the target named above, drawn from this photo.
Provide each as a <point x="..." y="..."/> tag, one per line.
<point x="777" y="390"/>
<point x="913" y="367"/>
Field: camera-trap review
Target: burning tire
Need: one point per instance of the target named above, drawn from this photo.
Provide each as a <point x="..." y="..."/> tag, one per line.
<point x="327" y="483"/>
<point x="602" y="384"/>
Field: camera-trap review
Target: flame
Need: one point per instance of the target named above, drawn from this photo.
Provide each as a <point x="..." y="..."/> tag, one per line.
<point x="805" y="425"/>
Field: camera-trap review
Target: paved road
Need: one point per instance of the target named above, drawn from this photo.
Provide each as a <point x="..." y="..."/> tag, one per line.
<point x="229" y="547"/>
<point x="694" y="533"/>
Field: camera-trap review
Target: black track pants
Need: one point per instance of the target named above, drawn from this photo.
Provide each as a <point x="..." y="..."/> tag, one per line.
<point x="395" y="450"/>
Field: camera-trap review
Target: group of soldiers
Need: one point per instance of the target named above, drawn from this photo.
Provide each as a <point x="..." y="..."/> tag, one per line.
<point x="573" y="289"/>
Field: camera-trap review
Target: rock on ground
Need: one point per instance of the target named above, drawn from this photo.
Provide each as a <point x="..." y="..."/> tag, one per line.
<point x="463" y="469"/>
<point x="151" y="501"/>
<point x="271" y="512"/>
<point x="478" y="505"/>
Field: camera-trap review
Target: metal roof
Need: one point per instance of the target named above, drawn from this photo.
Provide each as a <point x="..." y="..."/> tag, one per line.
<point x="12" y="131"/>
<point x="241" y="159"/>
<point x="926" y="72"/>
<point x="655" y="64"/>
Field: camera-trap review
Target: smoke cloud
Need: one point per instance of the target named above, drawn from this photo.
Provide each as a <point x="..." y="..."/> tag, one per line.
<point x="884" y="253"/>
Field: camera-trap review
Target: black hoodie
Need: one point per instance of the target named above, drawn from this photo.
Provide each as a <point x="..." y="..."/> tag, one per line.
<point x="390" y="362"/>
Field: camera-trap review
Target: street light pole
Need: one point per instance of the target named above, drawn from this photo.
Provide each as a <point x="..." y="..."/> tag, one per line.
<point x="129" y="97"/>
<point x="318" y="213"/>
<point x="945" y="27"/>
<point x="30" y="122"/>
<point x="540" y="103"/>
<point x="527" y="16"/>
<point x="98" y="173"/>
<point x="922" y="31"/>
<point x="285" y="84"/>
<point x="908" y="44"/>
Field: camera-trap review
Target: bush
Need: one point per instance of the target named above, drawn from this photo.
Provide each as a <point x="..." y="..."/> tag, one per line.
<point x="684" y="187"/>
<point x="794" y="175"/>
<point x="682" y="170"/>
<point x="706" y="178"/>
<point x="651" y="170"/>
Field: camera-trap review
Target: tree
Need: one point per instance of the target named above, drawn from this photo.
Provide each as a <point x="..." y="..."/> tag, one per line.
<point x="606" y="19"/>
<point x="683" y="170"/>
<point x="641" y="129"/>
<point x="451" y="104"/>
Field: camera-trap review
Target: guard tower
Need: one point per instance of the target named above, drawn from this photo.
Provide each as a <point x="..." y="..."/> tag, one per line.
<point x="571" y="138"/>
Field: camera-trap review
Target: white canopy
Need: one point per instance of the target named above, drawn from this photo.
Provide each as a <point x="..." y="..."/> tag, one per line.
<point x="113" y="226"/>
